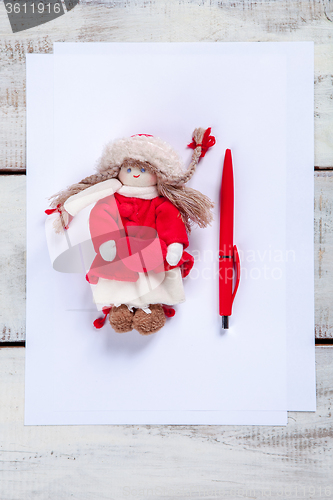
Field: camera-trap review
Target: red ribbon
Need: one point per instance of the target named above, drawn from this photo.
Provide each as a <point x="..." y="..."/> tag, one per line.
<point x="57" y="209"/>
<point x="207" y="142"/>
<point x="53" y="210"/>
<point x="99" y="322"/>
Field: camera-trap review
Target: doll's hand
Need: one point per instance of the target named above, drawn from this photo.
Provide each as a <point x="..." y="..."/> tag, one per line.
<point x="108" y="250"/>
<point x="174" y="253"/>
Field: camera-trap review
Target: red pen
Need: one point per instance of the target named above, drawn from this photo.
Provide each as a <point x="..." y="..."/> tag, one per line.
<point x="229" y="262"/>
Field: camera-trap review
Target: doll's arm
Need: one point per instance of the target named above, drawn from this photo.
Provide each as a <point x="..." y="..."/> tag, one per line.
<point x="171" y="229"/>
<point x="92" y="194"/>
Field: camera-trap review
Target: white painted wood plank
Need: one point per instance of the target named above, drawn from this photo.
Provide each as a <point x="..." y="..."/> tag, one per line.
<point x="323" y="104"/>
<point x="324" y="254"/>
<point x="169" y="462"/>
<point x="168" y="21"/>
<point x="12" y="256"/>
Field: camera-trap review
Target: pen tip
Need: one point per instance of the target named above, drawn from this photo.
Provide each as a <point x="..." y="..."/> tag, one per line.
<point x="225" y="322"/>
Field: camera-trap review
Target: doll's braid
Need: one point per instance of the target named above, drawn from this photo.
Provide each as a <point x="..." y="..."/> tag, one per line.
<point x="176" y="181"/>
<point x="59" y="199"/>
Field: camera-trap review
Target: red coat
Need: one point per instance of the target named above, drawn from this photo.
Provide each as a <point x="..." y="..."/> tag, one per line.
<point x="142" y="230"/>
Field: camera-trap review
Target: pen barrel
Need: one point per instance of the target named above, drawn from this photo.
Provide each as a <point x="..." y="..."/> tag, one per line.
<point x="226" y="252"/>
<point x="227" y="206"/>
<point x="226" y="279"/>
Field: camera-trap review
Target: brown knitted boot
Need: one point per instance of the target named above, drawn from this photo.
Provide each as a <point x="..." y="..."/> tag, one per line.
<point x="121" y="319"/>
<point x="149" y="323"/>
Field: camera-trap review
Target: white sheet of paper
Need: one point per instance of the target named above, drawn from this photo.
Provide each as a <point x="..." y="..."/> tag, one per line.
<point x="41" y="379"/>
<point x="86" y="387"/>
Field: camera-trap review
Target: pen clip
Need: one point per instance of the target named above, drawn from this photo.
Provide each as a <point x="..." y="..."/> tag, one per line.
<point x="237" y="266"/>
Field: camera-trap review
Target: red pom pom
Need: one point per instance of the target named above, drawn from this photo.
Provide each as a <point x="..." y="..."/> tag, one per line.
<point x="99" y="322"/>
<point x="169" y="311"/>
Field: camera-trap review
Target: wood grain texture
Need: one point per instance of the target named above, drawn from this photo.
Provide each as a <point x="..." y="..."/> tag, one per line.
<point x="164" y="462"/>
<point x="168" y="21"/>
<point x="324" y="254"/>
<point x="12" y="256"/>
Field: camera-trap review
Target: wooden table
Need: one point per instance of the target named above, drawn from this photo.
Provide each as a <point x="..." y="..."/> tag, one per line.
<point x="163" y="462"/>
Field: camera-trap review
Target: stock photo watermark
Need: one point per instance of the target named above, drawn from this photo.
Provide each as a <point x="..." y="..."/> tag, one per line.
<point x="25" y="14"/>
<point x="255" y="264"/>
<point x="139" y="256"/>
<point x="144" y="252"/>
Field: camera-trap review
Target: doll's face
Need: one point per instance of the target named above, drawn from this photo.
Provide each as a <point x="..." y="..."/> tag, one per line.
<point x="135" y="173"/>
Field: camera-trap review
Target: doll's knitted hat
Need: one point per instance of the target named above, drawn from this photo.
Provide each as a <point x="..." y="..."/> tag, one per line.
<point x="165" y="161"/>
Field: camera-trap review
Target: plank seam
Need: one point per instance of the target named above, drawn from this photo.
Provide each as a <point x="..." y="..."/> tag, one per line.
<point x="20" y="343"/>
<point x="12" y="171"/>
<point x="325" y="341"/>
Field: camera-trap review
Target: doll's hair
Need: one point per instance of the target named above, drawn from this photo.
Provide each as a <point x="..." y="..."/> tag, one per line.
<point x="59" y="198"/>
<point x="194" y="207"/>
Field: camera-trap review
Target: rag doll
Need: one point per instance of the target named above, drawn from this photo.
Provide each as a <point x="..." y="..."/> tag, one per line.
<point x="139" y="226"/>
